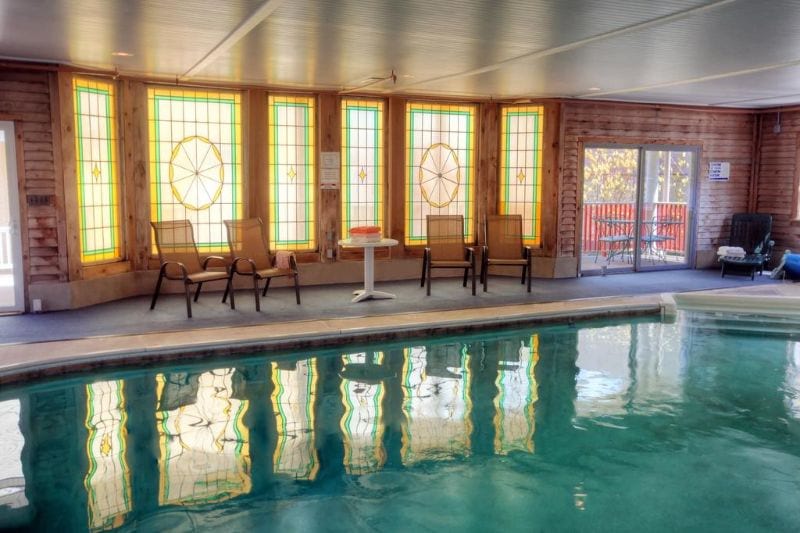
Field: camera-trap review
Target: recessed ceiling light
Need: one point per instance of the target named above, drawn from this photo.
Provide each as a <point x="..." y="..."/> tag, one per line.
<point x="122" y="54"/>
<point x="593" y="89"/>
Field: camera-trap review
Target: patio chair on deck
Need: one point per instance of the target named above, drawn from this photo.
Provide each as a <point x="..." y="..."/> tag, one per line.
<point x="504" y="247"/>
<point x="251" y="257"/>
<point x="180" y="261"/>
<point x="446" y="248"/>
<point x="750" y="232"/>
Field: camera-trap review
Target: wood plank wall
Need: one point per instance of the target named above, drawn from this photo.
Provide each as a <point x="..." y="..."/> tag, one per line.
<point x="25" y="98"/>
<point x="777" y="176"/>
<point x="721" y="135"/>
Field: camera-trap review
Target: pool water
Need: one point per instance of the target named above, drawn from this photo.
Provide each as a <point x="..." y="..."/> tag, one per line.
<point x="601" y="426"/>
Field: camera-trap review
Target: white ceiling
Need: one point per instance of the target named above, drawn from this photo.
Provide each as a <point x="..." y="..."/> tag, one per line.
<point x="740" y="53"/>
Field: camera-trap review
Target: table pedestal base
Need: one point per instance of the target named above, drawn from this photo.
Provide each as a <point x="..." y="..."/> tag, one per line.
<point x="364" y="294"/>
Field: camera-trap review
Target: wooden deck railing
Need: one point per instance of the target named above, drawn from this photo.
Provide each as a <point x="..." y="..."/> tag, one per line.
<point x="594" y="230"/>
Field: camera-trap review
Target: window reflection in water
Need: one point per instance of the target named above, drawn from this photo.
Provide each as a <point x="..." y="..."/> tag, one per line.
<point x="205" y="455"/>
<point x="107" y="482"/>
<point x="293" y="403"/>
<point x="792" y="386"/>
<point x="362" y="423"/>
<point x="517" y="392"/>
<point x="12" y="479"/>
<point x="436" y="403"/>
<point x="603" y="375"/>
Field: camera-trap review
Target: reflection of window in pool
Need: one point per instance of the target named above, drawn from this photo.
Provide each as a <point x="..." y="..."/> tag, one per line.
<point x="293" y="402"/>
<point x="362" y="422"/>
<point x="12" y="479"/>
<point x="108" y="483"/>
<point x="604" y="374"/>
<point x="205" y="446"/>
<point x="793" y="381"/>
<point x="514" y="418"/>
<point x="436" y="403"/>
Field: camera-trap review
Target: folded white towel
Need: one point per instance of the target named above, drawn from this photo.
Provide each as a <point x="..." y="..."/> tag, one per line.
<point x="731" y="251"/>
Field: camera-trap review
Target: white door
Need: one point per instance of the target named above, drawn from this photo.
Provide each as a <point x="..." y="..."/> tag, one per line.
<point x="11" y="290"/>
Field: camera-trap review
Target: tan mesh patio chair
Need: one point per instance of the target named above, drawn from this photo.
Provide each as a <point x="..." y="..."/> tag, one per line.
<point x="251" y="257"/>
<point x="504" y="247"/>
<point x="446" y="248"/>
<point x="180" y="261"/>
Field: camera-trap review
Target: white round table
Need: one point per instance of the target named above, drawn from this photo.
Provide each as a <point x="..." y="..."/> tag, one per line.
<point x="369" y="268"/>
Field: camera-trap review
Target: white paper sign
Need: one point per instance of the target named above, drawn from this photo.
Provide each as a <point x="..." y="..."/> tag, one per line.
<point x="329" y="178"/>
<point x="329" y="159"/>
<point x="719" y="170"/>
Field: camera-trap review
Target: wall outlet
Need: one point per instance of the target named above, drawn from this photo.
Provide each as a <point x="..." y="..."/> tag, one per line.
<point x="36" y="305"/>
<point x="329" y="253"/>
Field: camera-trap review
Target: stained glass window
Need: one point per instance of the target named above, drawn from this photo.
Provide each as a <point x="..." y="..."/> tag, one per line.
<point x="292" y="173"/>
<point x="205" y="445"/>
<point x="362" y="423"/>
<point x="440" y="166"/>
<point x="108" y="482"/>
<point x="521" y="168"/>
<point x="436" y="403"/>
<point x="362" y="164"/>
<point x="517" y="393"/>
<point x="293" y="402"/>
<point x="12" y="475"/>
<point x="97" y="170"/>
<point x="196" y="161"/>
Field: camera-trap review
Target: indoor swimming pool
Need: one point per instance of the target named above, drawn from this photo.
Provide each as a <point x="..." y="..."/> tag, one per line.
<point x="634" y="425"/>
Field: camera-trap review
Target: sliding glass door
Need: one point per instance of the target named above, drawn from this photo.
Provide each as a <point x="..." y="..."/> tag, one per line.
<point x="637" y="208"/>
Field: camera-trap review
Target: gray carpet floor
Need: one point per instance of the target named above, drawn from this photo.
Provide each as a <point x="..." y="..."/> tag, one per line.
<point x="133" y="316"/>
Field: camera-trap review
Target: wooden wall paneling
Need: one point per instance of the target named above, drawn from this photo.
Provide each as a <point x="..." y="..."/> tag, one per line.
<point x="487" y="183"/>
<point x="329" y="211"/>
<point x="24" y="231"/>
<point x="255" y="142"/>
<point x="68" y="178"/>
<point x="396" y="143"/>
<point x="136" y="171"/>
<point x="551" y="153"/>
<point x="25" y="98"/>
<point x="64" y="252"/>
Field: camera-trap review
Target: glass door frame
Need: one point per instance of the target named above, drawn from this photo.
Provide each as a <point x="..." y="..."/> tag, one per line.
<point x="690" y="230"/>
<point x="17" y="271"/>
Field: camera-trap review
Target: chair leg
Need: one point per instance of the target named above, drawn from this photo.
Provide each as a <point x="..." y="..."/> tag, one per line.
<point x="529" y="267"/>
<point x="485" y="273"/>
<point x="188" y="299"/>
<point x="297" y="287"/>
<point x="466" y="273"/>
<point x="266" y="286"/>
<point x="524" y="271"/>
<point x="229" y="290"/>
<point x="722" y="275"/>
<point x="256" y="291"/>
<point x="428" y="276"/>
<point x="158" y="289"/>
<point x="197" y="292"/>
<point x="473" y="275"/>
<point x="424" y="268"/>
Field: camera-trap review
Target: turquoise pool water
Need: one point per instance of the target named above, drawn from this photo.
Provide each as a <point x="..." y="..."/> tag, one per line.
<point x="603" y="426"/>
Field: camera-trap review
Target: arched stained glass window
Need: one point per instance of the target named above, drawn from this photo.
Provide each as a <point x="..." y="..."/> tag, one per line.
<point x="97" y="170"/>
<point x="440" y="166"/>
<point x="362" y="164"/>
<point x="292" y="173"/>
<point x="195" y="161"/>
<point x="521" y="168"/>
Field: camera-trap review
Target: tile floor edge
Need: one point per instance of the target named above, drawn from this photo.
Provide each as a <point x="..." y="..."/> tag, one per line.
<point x="583" y="309"/>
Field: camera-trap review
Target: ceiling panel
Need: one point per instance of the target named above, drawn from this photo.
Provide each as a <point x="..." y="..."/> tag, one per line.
<point x="708" y="52"/>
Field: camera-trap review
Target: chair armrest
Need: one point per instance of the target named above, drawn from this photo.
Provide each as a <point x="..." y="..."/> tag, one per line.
<point x="527" y="252"/>
<point x="215" y="258"/>
<point x="469" y="252"/>
<point x="181" y="266"/>
<point x="236" y="262"/>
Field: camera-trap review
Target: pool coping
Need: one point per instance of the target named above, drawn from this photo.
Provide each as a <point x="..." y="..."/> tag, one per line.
<point x="28" y="361"/>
